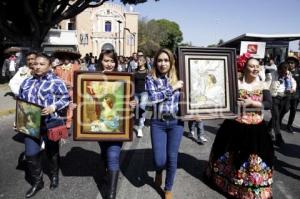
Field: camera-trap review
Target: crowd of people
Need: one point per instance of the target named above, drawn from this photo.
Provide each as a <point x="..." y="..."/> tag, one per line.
<point x="242" y="156"/>
<point x="124" y="64"/>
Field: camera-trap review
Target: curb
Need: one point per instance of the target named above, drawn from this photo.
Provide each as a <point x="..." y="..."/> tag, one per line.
<point x="7" y="112"/>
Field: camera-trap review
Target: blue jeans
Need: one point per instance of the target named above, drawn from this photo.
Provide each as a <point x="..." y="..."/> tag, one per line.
<point x="142" y="99"/>
<point x="33" y="146"/>
<point x="165" y="138"/>
<point x="110" y="152"/>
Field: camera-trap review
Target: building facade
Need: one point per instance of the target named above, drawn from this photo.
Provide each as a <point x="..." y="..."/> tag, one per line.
<point x="95" y="27"/>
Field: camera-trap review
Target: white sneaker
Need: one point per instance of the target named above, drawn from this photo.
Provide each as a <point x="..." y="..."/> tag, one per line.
<point x="139" y="132"/>
<point x="202" y="138"/>
<point x="191" y="134"/>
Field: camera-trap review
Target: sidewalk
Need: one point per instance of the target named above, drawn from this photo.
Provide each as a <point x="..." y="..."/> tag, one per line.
<point x="8" y="104"/>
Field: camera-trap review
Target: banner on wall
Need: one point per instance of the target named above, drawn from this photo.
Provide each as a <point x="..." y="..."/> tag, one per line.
<point x="257" y="49"/>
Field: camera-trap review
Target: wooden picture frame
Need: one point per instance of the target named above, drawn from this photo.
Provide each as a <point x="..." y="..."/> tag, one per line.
<point x="103" y="112"/>
<point x="28" y="118"/>
<point x="210" y="82"/>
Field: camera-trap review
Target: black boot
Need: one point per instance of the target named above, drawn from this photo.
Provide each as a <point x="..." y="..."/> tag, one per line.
<point x="54" y="167"/>
<point x="112" y="184"/>
<point x="34" y="165"/>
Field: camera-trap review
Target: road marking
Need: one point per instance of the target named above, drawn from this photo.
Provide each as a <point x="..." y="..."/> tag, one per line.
<point x="283" y="190"/>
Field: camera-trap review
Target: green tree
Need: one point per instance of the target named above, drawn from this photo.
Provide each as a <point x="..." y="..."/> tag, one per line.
<point x="155" y="34"/>
<point x="27" y="22"/>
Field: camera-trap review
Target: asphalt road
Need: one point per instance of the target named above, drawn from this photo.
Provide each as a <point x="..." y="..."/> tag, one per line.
<point x="81" y="168"/>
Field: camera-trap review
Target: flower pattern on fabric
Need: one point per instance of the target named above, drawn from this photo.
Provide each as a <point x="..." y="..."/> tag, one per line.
<point x="250" y="117"/>
<point x="254" y="172"/>
<point x="252" y="180"/>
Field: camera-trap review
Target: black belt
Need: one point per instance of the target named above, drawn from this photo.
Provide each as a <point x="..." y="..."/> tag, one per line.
<point x="167" y="117"/>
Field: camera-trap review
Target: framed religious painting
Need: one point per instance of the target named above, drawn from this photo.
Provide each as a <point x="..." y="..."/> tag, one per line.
<point x="210" y="82"/>
<point x="28" y="118"/>
<point x="103" y="112"/>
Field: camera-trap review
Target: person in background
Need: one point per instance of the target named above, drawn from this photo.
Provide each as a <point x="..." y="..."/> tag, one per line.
<point x="23" y="73"/>
<point x="149" y="63"/>
<point x="92" y="64"/>
<point x="242" y="155"/>
<point x="121" y="64"/>
<point x="10" y="65"/>
<point x="294" y="101"/>
<point x="87" y="59"/>
<point x="270" y="67"/>
<point x="66" y="72"/>
<point x="200" y="133"/>
<point x="141" y="95"/>
<point x="282" y="86"/>
<point x="110" y="150"/>
<point x="47" y="90"/>
<point x="163" y="87"/>
<point x="133" y="64"/>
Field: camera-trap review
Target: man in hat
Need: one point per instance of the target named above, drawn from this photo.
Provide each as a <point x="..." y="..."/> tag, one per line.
<point x="293" y="62"/>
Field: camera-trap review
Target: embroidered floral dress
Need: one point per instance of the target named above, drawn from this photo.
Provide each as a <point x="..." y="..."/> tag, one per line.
<point x="241" y="159"/>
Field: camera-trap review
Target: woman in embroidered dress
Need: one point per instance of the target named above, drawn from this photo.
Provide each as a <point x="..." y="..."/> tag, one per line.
<point x="241" y="159"/>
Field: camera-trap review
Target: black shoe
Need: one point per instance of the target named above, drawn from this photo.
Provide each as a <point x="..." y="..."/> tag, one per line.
<point x="279" y="140"/>
<point x="290" y="129"/>
<point x="53" y="182"/>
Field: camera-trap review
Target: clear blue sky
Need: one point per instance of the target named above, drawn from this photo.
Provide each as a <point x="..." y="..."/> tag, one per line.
<point x="204" y="22"/>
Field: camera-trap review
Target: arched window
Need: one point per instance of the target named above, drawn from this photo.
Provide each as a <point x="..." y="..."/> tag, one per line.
<point x="107" y="26"/>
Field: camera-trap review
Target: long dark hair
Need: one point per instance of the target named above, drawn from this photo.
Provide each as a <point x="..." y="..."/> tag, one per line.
<point x="110" y="53"/>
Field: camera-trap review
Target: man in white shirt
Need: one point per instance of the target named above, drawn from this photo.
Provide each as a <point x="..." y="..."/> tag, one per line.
<point x="23" y="73"/>
<point x="282" y="86"/>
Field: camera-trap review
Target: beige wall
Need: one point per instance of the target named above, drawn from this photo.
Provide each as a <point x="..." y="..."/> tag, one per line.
<point x="130" y="39"/>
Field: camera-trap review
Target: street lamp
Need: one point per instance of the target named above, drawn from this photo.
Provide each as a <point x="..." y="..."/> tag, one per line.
<point x="119" y="36"/>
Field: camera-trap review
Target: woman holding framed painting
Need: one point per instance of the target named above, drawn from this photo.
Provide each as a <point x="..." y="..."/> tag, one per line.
<point x="163" y="88"/>
<point x="48" y="91"/>
<point x="110" y="150"/>
<point x="241" y="158"/>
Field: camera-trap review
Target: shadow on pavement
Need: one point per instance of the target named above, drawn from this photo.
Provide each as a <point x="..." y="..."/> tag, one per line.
<point x="284" y="168"/>
<point x="290" y="150"/>
<point x="140" y="163"/>
<point x="82" y="162"/>
<point x="211" y="129"/>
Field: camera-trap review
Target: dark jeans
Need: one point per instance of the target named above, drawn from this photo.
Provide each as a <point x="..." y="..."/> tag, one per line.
<point x="33" y="146"/>
<point x="199" y="127"/>
<point x="293" y="103"/>
<point x="280" y="106"/>
<point x="165" y="138"/>
<point x="110" y="152"/>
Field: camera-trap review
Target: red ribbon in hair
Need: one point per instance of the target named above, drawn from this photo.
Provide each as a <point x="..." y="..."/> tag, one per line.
<point x="241" y="61"/>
